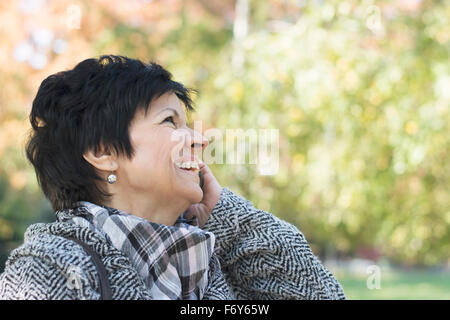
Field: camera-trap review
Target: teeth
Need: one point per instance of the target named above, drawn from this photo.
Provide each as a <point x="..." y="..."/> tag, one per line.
<point x="188" y="165"/>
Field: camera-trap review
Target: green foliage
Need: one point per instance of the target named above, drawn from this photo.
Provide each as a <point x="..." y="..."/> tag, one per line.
<point x="364" y="126"/>
<point x="398" y="285"/>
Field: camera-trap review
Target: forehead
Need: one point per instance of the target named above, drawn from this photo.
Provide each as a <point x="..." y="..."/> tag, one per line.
<point x="167" y="100"/>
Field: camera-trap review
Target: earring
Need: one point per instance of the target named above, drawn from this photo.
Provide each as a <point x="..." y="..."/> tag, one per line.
<point x="112" y="178"/>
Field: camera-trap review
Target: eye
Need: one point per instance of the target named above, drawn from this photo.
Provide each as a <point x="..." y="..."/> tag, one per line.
<point x="167" y="119"/>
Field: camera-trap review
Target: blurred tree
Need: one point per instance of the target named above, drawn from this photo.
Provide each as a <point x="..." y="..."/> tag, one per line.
<point x="360" y="95"/>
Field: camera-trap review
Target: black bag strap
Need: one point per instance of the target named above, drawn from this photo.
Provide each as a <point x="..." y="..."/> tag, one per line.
<point x="105" y="289"/>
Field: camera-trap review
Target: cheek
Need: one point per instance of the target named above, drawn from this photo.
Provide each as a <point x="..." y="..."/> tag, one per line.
<point x="152" y="160"/>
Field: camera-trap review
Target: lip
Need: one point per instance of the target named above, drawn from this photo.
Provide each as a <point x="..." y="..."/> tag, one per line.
<point x="184" y="159"/>
<point x="190" y="172"/>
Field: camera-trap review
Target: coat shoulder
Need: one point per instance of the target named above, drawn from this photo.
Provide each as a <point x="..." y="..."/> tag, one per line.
<point x="48" y="266"/>
<point x="59" y="268"/>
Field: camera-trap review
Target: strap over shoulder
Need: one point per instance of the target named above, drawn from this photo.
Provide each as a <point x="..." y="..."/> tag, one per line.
<point x="105" y="289"/>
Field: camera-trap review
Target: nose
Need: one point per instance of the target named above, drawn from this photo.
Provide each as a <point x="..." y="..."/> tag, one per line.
<point x="192" y="144"/>
<point x="198" y="141"/>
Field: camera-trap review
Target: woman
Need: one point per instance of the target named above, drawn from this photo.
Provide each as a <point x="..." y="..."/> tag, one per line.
<point x="132" y="221"/>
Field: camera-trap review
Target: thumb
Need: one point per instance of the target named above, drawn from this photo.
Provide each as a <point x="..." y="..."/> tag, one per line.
<point x="211" y="187"/>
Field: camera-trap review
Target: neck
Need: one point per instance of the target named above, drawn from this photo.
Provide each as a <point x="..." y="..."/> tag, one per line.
<point x="162" y="211"/>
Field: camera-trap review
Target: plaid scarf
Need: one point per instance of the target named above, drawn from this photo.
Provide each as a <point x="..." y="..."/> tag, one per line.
<point x="173" y="261"/>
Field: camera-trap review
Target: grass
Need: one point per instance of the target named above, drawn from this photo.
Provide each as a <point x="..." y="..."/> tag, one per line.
<point x="394" y="285"/>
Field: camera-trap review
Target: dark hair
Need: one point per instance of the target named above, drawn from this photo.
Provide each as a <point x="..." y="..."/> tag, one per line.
<point x="80" y="109"/>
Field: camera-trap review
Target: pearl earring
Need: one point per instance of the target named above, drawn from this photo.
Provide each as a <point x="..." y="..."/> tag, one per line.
<point x="112" y="178"/>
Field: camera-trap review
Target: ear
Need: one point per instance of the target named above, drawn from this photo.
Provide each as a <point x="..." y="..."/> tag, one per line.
<point x="102" y="160"/>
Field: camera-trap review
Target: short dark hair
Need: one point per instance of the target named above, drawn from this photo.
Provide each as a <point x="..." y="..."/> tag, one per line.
<point x="80" y="109"/>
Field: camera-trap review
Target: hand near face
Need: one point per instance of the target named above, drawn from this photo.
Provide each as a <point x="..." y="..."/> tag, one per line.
<point x="211" y="194"/>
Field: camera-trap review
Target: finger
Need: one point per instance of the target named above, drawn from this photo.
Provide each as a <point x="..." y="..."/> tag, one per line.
<point x="201" y="164"/>
<point x="207" y="174"/>
<point x="188" y="214"/>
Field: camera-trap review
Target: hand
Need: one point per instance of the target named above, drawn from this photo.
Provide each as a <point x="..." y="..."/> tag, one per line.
<point x="211" y="195"/>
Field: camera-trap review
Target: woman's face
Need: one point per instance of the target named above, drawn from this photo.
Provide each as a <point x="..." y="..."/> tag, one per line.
<point x="161" y="139"/>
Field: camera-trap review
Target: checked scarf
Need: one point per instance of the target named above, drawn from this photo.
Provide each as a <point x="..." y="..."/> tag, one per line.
<point x="173" y="260"/>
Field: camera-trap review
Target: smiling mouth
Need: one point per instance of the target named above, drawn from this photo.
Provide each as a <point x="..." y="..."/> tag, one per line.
<point x="188" y="165"/>
<point x="193" y="170"/>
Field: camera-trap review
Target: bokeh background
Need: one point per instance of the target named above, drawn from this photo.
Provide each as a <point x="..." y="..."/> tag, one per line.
<point x="359" y="91"/>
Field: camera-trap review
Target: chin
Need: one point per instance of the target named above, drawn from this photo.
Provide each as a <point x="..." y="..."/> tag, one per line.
<point x="187" y="186"/>
<point x="197" y="194"/>
<point x="193" y="194"/>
